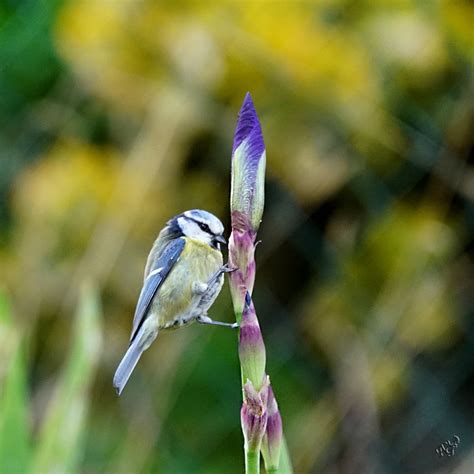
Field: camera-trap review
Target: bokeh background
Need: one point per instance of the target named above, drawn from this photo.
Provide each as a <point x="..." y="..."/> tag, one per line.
<point x="117" y="114"/>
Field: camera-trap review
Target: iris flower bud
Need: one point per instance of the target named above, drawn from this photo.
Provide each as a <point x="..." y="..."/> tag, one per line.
<point x="246" y="200"/>
<point x="271" y="443"/>
<point x="248" y="170"/>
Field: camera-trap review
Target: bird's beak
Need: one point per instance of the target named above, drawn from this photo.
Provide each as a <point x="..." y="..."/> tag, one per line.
<point x="221" y="239"/>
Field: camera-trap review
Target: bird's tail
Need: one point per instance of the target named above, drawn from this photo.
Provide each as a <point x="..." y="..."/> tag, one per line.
<point x="126" y="366"/>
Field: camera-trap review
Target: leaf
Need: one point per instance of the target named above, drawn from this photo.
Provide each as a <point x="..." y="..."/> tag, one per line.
<point x="14" y="435"/>
<point x="285" y="462"/>
<point x="60" y="440"/>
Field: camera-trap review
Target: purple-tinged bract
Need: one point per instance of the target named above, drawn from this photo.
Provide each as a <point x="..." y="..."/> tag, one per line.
<point x="254" y="415"/>
<point x="251" y="347"/>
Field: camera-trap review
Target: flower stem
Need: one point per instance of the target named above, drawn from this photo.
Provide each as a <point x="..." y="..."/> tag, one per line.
<point x="252" y="462"/>
<point x="260" y="417"/>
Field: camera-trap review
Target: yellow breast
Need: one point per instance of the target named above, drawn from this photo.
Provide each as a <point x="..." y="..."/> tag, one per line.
<point x="197" y="262"/>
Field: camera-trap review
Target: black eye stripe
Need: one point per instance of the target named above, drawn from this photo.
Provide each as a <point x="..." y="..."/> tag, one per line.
<point x="204" y="227"/>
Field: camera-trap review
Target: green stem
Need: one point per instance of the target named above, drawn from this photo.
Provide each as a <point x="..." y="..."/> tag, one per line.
<point x="252" y="462"/>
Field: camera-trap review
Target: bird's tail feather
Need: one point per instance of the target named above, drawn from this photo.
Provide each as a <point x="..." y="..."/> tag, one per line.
<point x="126" y="366"/>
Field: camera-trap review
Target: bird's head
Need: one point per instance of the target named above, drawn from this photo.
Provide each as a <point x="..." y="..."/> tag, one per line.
<point x="200" y="225"/>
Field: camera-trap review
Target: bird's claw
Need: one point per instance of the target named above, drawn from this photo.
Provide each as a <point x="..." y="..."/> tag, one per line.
<point x="228" y="269"/>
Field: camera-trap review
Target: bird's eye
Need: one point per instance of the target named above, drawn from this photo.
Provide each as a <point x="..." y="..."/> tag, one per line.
<point x="204" y="227"/>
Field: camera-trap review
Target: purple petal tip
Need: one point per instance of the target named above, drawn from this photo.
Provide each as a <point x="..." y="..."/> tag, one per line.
<point x="248" y="127"/>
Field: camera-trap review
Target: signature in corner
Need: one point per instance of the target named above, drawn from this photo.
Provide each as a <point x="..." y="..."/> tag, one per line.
<point x="448" y="448"/>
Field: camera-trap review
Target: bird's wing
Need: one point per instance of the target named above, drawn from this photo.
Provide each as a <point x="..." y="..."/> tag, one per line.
<point x="158" y="272"/>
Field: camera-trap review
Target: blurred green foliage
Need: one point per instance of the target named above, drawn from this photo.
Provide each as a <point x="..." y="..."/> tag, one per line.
<point x="116" y="115"/>
<point x="14" y="436"/>
<point x="57" y="446"/>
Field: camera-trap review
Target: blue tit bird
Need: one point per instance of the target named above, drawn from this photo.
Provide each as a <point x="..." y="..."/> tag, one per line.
<point x="184" y="274"/>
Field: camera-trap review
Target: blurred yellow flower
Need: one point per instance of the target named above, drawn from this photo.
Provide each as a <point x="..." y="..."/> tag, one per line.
<point x="71" y="183"/>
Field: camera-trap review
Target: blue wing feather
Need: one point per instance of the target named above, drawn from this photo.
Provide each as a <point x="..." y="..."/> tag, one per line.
<point x="157" y="274"/>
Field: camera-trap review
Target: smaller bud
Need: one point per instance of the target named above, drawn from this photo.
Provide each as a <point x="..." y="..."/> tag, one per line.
<point x="251" y="347"/>
<point x="254" y="415"/>
<point x="271" y="443"/>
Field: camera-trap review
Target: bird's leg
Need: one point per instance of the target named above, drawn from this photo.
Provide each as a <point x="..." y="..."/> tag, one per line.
<point x="205" y="319"/>
<point x="199" y="288"/>
<point x="224" y="269"/>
